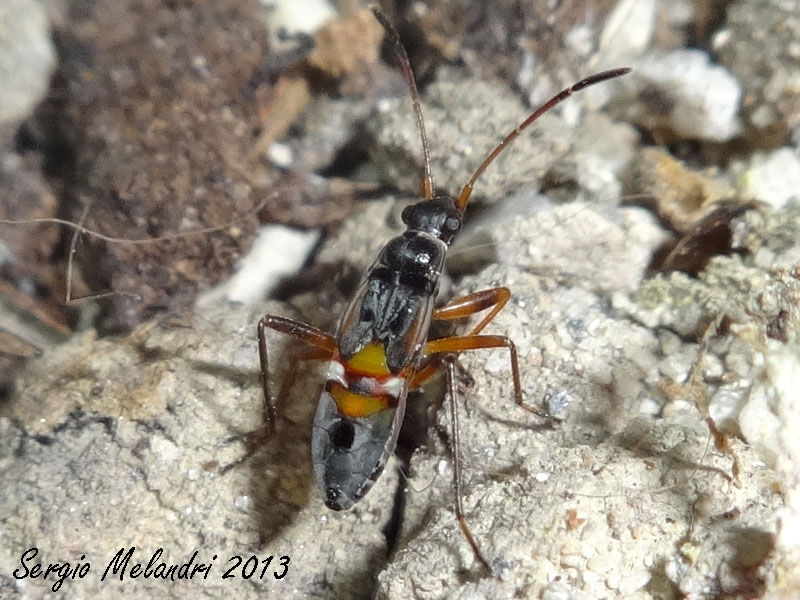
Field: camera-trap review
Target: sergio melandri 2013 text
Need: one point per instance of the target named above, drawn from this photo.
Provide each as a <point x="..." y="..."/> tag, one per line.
<point x="122" y="564"/>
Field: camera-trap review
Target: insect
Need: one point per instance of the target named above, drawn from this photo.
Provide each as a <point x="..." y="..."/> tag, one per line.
<point x="381" y="350"/>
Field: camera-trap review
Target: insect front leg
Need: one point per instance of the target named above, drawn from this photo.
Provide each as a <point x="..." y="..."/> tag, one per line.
<point x="322" y="347"/>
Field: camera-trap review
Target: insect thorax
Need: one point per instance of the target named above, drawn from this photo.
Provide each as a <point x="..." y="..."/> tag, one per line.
<point x="394" y="302"/>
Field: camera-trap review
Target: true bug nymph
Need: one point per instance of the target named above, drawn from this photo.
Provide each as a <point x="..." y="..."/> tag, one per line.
<point x="381" y="348"/>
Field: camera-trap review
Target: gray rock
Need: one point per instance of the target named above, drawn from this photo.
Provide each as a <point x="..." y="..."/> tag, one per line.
<point x="772" y="178"/>
<point x="607" y="503"/>
<point x="474" y="116"/>
<point x="113" y="444"/>
<point x="759" y="43"/>
<point x="128" y="439"/>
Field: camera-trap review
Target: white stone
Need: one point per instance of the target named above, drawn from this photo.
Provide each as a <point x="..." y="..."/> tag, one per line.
<point x="627" y="32"/>
<point x="278" y="251"/>
<point x="773" y="178"/>
<point x="290" y="17"/>
<point x="706" y="96"/>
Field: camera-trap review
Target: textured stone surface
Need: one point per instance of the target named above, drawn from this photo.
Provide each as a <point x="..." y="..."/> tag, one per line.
<point x="123" y="443"/>
<point x="682" y="93"/>
<point x="618" y="498"/>
<point x="759" y="43"/>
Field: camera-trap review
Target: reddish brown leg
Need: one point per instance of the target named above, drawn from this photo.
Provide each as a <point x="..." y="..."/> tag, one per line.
<point x="448" y="362"/>
<point x="455" y="450"/>
<point x="450" y="347"/>
<point x="468" y="305"/>
<point x="459" y="308"/>
<point x="424" y="375"/>
<point x="460" y="344"/>
<point x="323" y="346"/>
<point x="496" y="299"/>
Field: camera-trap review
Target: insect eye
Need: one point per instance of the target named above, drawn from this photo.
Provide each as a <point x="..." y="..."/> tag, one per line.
<point x="452" y="224"/>
<point x="405" y="216"/>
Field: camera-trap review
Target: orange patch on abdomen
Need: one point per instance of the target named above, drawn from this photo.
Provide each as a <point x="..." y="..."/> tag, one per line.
<point x="355" y="405"/>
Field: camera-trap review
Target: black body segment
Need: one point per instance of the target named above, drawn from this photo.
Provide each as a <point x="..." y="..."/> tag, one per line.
<point x="348" y="455"/>
<point x="393" y="304"/>
<point x="438" y="217"/>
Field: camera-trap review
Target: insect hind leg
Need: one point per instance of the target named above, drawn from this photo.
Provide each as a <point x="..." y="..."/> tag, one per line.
<point x="455" y="449"/>
<point x="449" y="349"/>
<point x="322" y="346"/>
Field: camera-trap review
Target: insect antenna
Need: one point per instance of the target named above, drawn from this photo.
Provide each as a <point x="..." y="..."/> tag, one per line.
<point x="466" y="192"/>
<point x="427" y="178"/>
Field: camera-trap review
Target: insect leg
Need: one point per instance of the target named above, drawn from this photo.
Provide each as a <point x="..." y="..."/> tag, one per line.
<point x="424" y="375"/>
<point x="448" y="362"/>
<point x="459" y="308"/>
<point x="323" y="346"/>
<point x="452" y="346"/>
<point x="455" y="449"/>
<point x="478" y="342"/>
<point x="433" y="368"/>
<point x="470" y="304"/>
